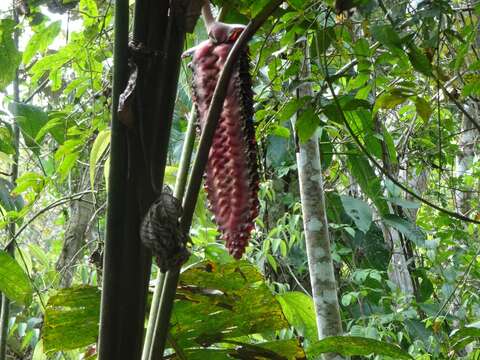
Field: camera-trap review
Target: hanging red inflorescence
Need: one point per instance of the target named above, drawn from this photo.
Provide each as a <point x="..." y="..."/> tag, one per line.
<point x="231" y="174"/>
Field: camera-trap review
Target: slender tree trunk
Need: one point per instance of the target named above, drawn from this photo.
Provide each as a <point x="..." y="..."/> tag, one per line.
<point x="81" y="213"/>
<point x="320" y="263"/>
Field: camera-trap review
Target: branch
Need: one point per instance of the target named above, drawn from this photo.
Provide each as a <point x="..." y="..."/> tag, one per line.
<point x="386" y="173"/>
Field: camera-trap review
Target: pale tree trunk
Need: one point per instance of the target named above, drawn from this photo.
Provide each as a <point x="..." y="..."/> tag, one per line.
<point x="322" y="276"/>
<point x="399" y="273"/>
<point x="464" y="159"/>
<point x="81" y="216"/>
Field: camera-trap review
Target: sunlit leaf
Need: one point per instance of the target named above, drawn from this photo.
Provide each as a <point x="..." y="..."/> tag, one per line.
<point x="299" y="310"/>
<point x="71" y="319"/>
<point x="102" y="141"/>
<point x="40" y="40"/>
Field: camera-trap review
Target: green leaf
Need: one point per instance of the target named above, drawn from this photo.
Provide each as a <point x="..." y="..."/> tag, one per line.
<point x="57" y="126"/>
<point x="296" y="4"/>
<point x="387" y="36"/>
<point x="423" y="107"/>
<point x="8" y="201"/>
<point x="461" y="337"/>
<point x="14" y="282"/>
<point x="353" y="345"/>
<point x="389" y="100"/>
<point x="89" y="12"/>
<point x="306" y="124"/>
<point x="40" y="40"/>
<point x="299" y="311"/>
<point x="419" y="60"/>
<point x="31" y="119"/>
<point x="367" y="179"/>
<point x="100" y="144"/>
<point x="325" y="37"/>
<point x="406" y="227"/>
<point x="10" y="57"/>
<point x="359" y="211"/>
<point x="71" y="319"/>
<point x="280" y="349"/>
<point x="6" y="140"/>
<point x="281" y="131"/>
<point x="223" y="301"/>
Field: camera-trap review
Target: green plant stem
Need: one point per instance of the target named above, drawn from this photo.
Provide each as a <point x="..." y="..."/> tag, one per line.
<point x="5" y="308"/>
<point x="198" y="169"/>
<point x="178" y="193"/>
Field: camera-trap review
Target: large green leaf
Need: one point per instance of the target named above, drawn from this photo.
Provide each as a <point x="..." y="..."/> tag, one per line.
<point x="31" y="119"/>
<point x="419" y="60"/>
<point x="14" y="282"/>
<point x="278" y="350"/>
<point x="359" y="211"/>
<point x="40" y="40"/>
<point x="71" y="319"/>
<point x="299" y="310"/>
<point x="225" y="301"/>
<point x="10" y="57"/>
<point x="354" y="345"/>
<point x="214" y="303"/>
<point x="306" y="124"/>
<point x="387" y="36"/>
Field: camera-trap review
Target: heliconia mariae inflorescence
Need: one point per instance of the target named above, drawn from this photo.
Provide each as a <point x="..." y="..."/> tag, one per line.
<point x="231" y="176"/>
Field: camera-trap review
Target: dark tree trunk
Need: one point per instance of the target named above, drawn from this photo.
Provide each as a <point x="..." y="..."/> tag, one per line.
<point x="138" y="156"/>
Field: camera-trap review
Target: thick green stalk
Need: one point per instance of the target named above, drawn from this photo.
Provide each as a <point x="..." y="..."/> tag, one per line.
<point x="178" y="193"/>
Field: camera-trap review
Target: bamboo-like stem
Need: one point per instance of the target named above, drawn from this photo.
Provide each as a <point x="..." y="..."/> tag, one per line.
<point x="199" y="165"/>
<point x="5" y="308"/>
<point x="178" y="193"/>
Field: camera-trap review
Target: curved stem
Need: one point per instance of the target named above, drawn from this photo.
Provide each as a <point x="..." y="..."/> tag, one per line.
<point x="200" y="162"/>
<point x="181" y="181"/>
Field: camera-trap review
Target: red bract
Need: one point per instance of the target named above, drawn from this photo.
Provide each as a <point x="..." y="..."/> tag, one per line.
<point x="231" y="174"/>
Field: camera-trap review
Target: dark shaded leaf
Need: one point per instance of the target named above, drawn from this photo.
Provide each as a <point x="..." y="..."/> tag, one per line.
<point x="367" y="179"/>
<point x="14" y="282"/>
<point x="359" y="211"/>
<point x="387" y="36"/>
<point x="419" y="60"/>
<point x="306" y="124"/>
<point x="406" y="227"/>
<point x="31" y="119"/>
<point x="10" y="57"/>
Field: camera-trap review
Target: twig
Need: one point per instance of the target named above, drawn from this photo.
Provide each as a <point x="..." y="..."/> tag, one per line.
<point x="385" y="172"/>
